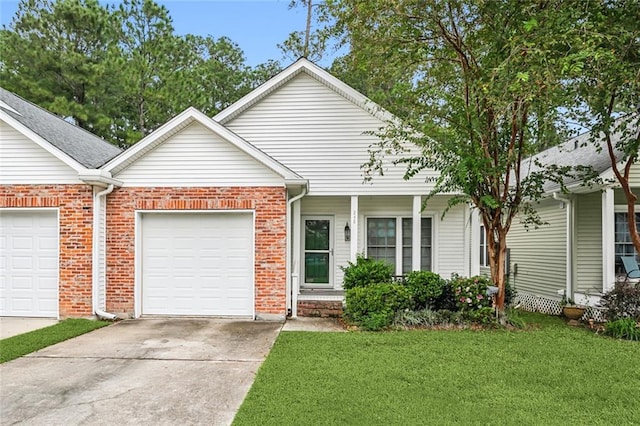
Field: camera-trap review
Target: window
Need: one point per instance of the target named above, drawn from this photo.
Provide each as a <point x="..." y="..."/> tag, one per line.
<point x="391" y="239"/>
<point x="623" y="244"/>
<point x="484" y="247"/>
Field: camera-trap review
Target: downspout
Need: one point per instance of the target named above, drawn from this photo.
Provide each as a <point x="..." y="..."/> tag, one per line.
<point x="291" y="274"/>
<point x="96" y="252"/>
<point x="569" y="247"/>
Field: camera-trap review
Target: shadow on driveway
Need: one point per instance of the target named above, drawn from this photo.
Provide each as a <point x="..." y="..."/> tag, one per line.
<point x="148" y="371"/>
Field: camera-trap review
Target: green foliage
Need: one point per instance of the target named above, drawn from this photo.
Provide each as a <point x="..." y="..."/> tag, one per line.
<point x="471" y="293"/>
<point x="624" y="328"/>
<point x="428" y="318"/>
<point x="622" y="301"/>
<point x="366" y="272"/>
<point x="426" y="288"/>
<point x="22" y="344"/>
<point x="373" y="307"/>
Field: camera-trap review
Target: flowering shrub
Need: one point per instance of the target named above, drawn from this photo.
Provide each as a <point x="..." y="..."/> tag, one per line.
<point x="471" y="293"/>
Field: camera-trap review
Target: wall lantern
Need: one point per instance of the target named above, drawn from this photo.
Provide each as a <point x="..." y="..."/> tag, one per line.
<point x="347" y="232"/>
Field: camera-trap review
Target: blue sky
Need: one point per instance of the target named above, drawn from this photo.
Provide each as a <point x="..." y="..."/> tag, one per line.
<point x="256" y="26"/>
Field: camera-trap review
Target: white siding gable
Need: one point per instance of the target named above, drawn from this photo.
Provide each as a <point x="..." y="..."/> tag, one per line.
<point x="196" y="156"/>
<point x="320" y="135"/>
<point x="23" y="161"/>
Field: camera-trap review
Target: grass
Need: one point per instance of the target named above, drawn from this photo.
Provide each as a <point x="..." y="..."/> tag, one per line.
<point x="551" y="374"/>
<point x="22" y="344"/>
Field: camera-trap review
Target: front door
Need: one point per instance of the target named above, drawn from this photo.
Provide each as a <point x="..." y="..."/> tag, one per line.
<point x="317" y="246"/>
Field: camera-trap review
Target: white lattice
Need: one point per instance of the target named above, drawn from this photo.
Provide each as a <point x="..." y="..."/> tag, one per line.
<point x="533" y="303"/>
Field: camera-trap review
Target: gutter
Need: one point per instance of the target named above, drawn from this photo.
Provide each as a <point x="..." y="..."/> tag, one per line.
<point x="569" y="247"/>
<point x="96" y="252"/>
<point x="292" y="299"/>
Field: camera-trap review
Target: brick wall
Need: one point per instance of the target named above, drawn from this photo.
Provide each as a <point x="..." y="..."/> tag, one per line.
<point x="75" y="206"/>
<point x="320" y="308"/>
<point x="269" y="204"/>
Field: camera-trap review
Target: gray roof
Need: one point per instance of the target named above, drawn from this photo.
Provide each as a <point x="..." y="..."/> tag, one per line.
<point x="79" y="144"/>
<point x="578" y="151"/>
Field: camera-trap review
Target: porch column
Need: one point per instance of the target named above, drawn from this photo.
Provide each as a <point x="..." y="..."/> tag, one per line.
<point x="295" y="263"/>
<point x="353" y="250"/>
<point x="608" y="240"/>
<point x="473" y="227"/>
<point x="416" y="242"/>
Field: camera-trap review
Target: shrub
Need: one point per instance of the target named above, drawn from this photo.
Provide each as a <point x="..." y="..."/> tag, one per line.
<point x="622" y="301"/>
<point x="484" y="315"/>
<point x="366" y="272"/>
<point x="471" y="293"/>
<point x="427" y="318"/>
<point x="624" y="328"/>
<point x="425" y="287"/>
<point x="374" y="307"/>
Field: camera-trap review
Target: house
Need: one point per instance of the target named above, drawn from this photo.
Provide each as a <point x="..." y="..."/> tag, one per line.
<point x="49" y="179"/>
<point x="578" y="249"/>
<point x="252" y="213"/>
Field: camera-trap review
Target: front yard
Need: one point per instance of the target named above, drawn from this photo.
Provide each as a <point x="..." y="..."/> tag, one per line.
<point x="551" y="375"/>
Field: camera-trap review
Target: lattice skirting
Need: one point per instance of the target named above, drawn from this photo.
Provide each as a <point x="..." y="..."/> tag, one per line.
<point x="533" y="303"/>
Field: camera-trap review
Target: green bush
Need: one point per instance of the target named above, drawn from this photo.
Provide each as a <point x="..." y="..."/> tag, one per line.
<point x="366" y="272"/>
<point x="373" y="307"/>
<point x="625" y="328"/>
<point x="471" y="293"/>
<point x="426" y="288"/>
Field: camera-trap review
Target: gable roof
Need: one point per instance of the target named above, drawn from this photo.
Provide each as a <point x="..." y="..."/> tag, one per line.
<point x="303" y="65"/>
<point x="49" y="131"/>
<point x="184" y="119"/>
<point x="578" y="151"/>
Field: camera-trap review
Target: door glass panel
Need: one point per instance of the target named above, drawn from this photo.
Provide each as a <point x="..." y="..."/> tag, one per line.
<point x="317" y="251"/>
<point x="316" y="268"/>
<point x="316" y="235"/>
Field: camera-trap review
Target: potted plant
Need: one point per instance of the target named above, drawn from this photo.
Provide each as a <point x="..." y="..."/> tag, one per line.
<point x="570" y="309"/>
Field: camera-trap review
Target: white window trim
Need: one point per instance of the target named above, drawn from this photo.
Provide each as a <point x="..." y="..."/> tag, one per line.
<point x="398" y="218"/>
<point x="483" y="247"/>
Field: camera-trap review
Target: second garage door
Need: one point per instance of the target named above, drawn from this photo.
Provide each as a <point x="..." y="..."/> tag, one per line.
<point x="197" y="264"/>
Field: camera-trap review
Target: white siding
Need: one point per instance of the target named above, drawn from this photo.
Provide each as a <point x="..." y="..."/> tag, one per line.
<point x="540" y="253"/>
<point x="634" y="178"/>
<point x="198" y="157"/>
<point x="588" y="242"/>
<point x="320" y="135"/>
<point x="22" y="161"/>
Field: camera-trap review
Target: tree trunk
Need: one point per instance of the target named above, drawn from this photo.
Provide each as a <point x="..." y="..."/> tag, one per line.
<point x="497" y="246"/>
<point x="307" y="32"/>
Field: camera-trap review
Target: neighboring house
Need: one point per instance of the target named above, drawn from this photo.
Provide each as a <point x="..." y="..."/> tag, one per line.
<point x="252" y="213"/>
<point x="48" y="182"/>
<point x="578" y="250"/>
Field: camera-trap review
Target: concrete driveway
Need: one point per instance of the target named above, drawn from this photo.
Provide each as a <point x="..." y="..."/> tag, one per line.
<point x="149" y="371"/>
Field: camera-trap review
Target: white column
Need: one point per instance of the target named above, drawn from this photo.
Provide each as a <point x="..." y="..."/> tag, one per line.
<point x="296" y="254"/>
<point x="353" y="224"/>
<point x="473" y="231"/>
<point x="608" y="239"/>
<point x="416" y="243"/>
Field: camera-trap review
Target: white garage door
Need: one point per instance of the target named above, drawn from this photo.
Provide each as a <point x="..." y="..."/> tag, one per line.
<point x="29" y="263"/>
<point x="197" y="264"/>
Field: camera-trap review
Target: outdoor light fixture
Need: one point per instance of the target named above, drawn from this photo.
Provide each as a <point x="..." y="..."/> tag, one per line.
<point x="347" y="232"/>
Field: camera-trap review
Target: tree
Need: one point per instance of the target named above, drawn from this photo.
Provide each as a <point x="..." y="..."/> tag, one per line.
<point x="55" y="55"/>
<point x="309" y="43"/>
<point x="483" y="85"/>
<point x="606" y="82"/>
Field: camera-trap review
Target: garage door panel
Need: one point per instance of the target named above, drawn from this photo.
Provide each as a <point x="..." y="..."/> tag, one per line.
<point x="29" y="260"/>
<point x="201" y="264"/>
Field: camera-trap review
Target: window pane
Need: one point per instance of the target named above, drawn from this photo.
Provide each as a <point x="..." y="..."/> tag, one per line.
<point x="407" y="239"/>
<point x="381" y="239"/>
<point x="623" y="244"/>
<point x="425" y="244"/>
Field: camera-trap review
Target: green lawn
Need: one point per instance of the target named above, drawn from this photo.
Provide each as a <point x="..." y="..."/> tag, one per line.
<point x="551" y="375"/>
<point x="22" y="344"/>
